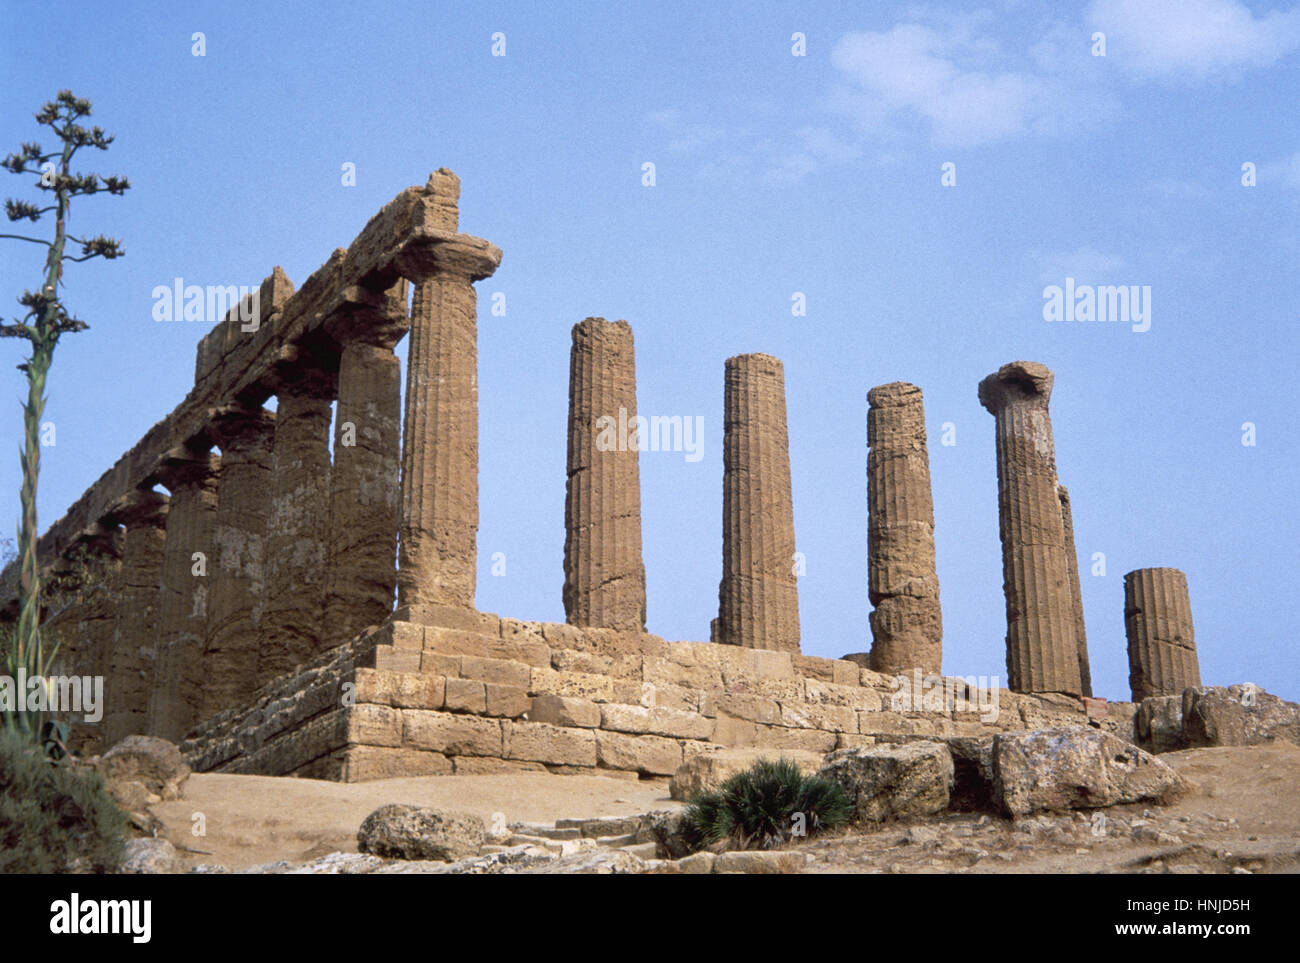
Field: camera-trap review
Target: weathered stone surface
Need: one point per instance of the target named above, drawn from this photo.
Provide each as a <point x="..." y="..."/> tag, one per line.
<point x="1161" y="639"/>
<point x="440" y="431"/>
<point x="758" y="599"/>
<point x="149" y="856"/>
<point x="907" y="624"/>
<point x="709" y="770"/>
<point x="457" y="735"/>
<point x="154" y="763"/>
<point x="298" y="524"/>
<point x="1076" y="591"/>
<point x="364" y="763"/>
<point x="760" y="863"/>
<point x="237" y="569"/>
<point x="130" y="672"/>
<point x="1060" y="769"/>
<point x="565" y="711"/>
<point x="176" y="696"/>
<point x="365" y="497"/>
<point x="416" y="832"/>
<point x="554" y="745"/>
<point x="894" y="781"/>
<point x="1042" y="654"/>
<point x="604" y="576"/>
<point x="653" y="755"/>
<point x="655" y="720"/>
<point x="1238" y="715"/>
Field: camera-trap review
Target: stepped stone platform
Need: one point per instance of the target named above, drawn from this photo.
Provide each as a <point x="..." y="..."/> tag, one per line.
<point x="439" y="690"/>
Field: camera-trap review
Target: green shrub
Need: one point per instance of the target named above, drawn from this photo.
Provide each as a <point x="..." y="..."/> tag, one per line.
<point x="756" y="809"/>
<point x="54" y="817"/>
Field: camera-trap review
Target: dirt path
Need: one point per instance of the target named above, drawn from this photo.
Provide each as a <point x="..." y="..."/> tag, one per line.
<point x="260" y="819"/>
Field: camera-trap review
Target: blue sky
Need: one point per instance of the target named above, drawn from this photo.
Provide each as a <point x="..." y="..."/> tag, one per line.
<point x="775" y="174"/>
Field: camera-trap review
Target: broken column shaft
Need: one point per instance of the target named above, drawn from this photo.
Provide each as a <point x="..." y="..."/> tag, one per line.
<point x="604" y="576"/>
<point x="1161" y="640"/>
<point x="758" y="599"/>
<point x="1042" y="655"/>
<point x="907" y="623"/>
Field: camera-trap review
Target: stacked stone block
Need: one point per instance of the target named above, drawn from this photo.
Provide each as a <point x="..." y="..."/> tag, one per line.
<point x="907" y="623"/>
<point x="758" y="599"/>
<point x="1042" y="654"/>
<point x="604" y="576"/>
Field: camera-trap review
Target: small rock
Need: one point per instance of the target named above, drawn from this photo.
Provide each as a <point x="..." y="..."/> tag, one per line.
<point x="415" y="832"/>
<point x="150" y="856"/>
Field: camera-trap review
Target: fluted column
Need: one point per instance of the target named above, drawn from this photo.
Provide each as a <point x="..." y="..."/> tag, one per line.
<point x="130" y="676"/>
<point x="604" y="575"/>
<point x="758" y="599"/>
<point x="907" y="623"/>
<point x="1161" y="640"/>
<point x="437" y="550"/>
<point x="1041" y="652"/>
<point x="298" y="524"/>
<point x="365" y="497"/>
<point x="175" y="697"/>
<point x="238" y="574"/>
<point x="1076" y="590"/>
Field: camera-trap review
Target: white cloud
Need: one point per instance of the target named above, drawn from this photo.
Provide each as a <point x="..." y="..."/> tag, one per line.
<point x="1192" y="40"/>
<point x="914" y="68"/>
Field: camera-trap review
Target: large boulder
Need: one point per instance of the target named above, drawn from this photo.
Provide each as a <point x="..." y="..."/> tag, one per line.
<point x="709" y="770"/>
<point x="1239" y="715"/>
<point x="1062" y="769"/>
<point x="155" y="764"/>
<point x="149" y="856"/>
<point x="1236" y="715"/>
<point x="894" y="781"/>
<point x="400" y="831"/>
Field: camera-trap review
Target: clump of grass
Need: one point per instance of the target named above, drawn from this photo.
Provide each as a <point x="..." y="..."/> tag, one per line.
<point x="764" y="807"/>
<point x="54" y="817"/>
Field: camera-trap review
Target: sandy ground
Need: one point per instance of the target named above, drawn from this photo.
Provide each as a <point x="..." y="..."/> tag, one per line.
<point x="249" y="820"/>
<point x="1242" y="814"/>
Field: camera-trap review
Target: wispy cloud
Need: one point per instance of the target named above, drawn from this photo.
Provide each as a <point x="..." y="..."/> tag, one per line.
<point x="1189" y="41"/>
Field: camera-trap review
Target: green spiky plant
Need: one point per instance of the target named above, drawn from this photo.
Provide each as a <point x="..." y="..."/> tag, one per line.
<point x="759" y="808"/>
<point x="45" y="321"/>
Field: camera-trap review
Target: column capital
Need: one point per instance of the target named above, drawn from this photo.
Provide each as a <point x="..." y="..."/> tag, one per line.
<point x="184" y="466"/>
<point x="378" y="318"/>
<point x="237" y="427"/>
<point x="1019" y="381"/>
<point x="140" y="508"/>
<point x="456" y="256"/>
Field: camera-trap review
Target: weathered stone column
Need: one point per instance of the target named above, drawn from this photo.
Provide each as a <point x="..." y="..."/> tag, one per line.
<point x="175" y="697"/>
<point x="758" y="600"/>
<point x="437" y="551"/>
<point x="604" y="575"/>
<point x="1041" y="652"/>
<point x="1076" y="590"/>
<point x="365" y="497"/>
<point x="298" y="524"/>
<point x="1161" y="641"/>
<point x="238" y="567"/>
<point x="907" y="623"/>
<point x="143" y="516"/>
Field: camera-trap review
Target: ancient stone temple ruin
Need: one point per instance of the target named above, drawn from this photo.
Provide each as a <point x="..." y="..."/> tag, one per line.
<point x="292" y="606"/>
